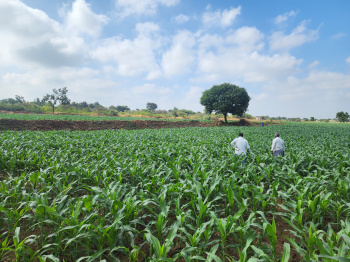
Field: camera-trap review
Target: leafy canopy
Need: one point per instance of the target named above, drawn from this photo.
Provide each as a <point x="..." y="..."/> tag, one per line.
<point x="151" y="106"/>
<point x="342" y="117"/>
<point x="225" y="98"/>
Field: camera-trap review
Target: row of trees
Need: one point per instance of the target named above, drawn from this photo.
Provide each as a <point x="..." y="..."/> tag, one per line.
<point x="221" y="99"/>
<point x="59" y="97"/>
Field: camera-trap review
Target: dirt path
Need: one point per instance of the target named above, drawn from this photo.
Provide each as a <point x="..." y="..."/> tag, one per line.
<point x="47" y="125"/>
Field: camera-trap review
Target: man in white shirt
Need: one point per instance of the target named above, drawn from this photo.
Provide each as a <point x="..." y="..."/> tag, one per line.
<point x="241" y="146"/>
<point x="277" y="148"/>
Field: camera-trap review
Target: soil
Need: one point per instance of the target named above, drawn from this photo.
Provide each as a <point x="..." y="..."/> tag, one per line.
<point x="48" y="125"/>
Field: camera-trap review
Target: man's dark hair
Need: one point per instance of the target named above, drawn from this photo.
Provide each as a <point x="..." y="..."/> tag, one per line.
<point x="277" y="135"/>
<point x="240" y="134"/>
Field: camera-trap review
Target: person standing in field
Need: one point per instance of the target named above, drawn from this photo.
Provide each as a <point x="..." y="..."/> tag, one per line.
<point x="241" y="146"/>
<point x="277" y="148"/>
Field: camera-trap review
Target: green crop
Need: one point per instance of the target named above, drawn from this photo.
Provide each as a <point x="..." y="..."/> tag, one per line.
<point x="175" y="194"/>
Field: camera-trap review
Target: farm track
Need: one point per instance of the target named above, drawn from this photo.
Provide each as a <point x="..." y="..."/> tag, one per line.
<point x="49" y="125"/>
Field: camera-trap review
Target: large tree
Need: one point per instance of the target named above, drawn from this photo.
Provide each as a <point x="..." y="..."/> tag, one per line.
<point x="59" y="95"/>
<point x="342" y="117"/>
<point x="151" y="106"/>
<point x="225" y="98"/>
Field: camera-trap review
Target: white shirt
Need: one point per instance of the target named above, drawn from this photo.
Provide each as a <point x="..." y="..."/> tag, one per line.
<point x="277" y="144"/>
<point x="240" y="145"/>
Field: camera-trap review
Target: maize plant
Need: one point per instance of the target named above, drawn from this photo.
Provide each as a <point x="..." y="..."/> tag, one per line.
<point x="175" y="194"/>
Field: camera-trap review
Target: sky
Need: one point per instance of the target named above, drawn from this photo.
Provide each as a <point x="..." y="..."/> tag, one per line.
<point x="292" y="57"/>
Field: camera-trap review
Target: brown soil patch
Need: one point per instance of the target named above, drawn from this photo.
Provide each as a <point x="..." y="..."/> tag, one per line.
<point x="48" y="125"/>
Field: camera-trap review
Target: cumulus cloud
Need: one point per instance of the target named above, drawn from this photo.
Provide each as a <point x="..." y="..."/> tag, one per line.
<point x="299" y="36"/>
<point x="348" y="60"/>
<point x="179" y="58"/>
<point x="141" y="7"/>
<point x="248" y="38"/>
<point x="284" y="17"/>
<point x="181" y="18"/>
<point x="132" y="57"/>
<point x="218" y="18"/>
<point x="240" y="56"/>
<point x="31" y="38"/>
<point x="82" y="19"/>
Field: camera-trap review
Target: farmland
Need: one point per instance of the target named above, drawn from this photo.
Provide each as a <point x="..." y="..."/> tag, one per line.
<point x="175" y="194"/>
<point x="78" y="117"/>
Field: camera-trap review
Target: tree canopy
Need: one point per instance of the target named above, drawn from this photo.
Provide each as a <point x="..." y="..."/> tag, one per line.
<point x="59" y="95"/>
<point x="151" y="106"/>
<point x="225" y="98"/>
<point x="342" y="117"/>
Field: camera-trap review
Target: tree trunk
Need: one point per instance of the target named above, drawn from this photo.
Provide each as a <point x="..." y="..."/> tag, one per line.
<point x="53" y="109"/>
<point x="225" y="116"/>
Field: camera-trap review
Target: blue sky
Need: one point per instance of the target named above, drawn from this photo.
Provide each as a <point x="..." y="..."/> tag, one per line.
<point x="293" y="57"/>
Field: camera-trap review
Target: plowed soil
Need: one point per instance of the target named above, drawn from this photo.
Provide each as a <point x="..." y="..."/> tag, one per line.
<point x="47" y="125"/>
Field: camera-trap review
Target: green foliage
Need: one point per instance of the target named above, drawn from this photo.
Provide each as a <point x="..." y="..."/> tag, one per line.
<point x="175" y="194"/>
<point x="342" y="117"/>
<point x="151" y="106"/>
<point x="119" y="108"/>
<point x="58" y="96"/>
<point x="225" y="98"/>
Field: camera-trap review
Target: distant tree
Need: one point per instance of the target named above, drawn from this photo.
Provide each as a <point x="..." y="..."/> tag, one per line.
<point x="225" y="98"/>
<point x="58" y="96"/>
<point x="248" y="116"/>
<point x="20" y="99"/>
<point x="342" y="117"/>
<point x="151" y="106"/>
<point x="83" y="104"/>
<point x="312" y="119"/>
<point x="9" y="101"/>
<point x="120" y="108"/>
<point x="39" y="102"/>
<point x="96" y="105"/>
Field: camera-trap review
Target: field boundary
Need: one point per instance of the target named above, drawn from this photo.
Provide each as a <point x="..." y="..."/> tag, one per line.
<point x="48" y="125"/>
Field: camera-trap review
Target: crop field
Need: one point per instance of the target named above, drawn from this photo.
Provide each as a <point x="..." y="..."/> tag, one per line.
<point x="175" y="195"/>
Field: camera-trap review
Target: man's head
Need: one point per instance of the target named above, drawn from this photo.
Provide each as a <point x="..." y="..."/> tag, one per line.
<point x="240" y="134"/>
<point x="277" y="135"/>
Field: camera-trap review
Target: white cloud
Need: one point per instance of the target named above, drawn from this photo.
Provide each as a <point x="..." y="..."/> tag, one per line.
<point x="319" y="94"/>
<point x="141" y="7"/>
<point x="299" y="36"/>
<point x="194" y="93"/>
<point x="181" y="18"/>
<point x="83" y="84"/>
<point x="82" y="19"/>
<point x="30" y="38"/>
<point x="132" y="57"/>
<point x="151" y="89"/>
<point x="247" y="38"/>
<point x="327" y="80"/>
<point x="224" y="18"/>
<point x="282" y="18"/>
<point x="232" y="63"/>
<point x="181" y="55"/>
<point x="348" y="60"/>
<point x="314" y="64"/>
<point x="338" y="36"/>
